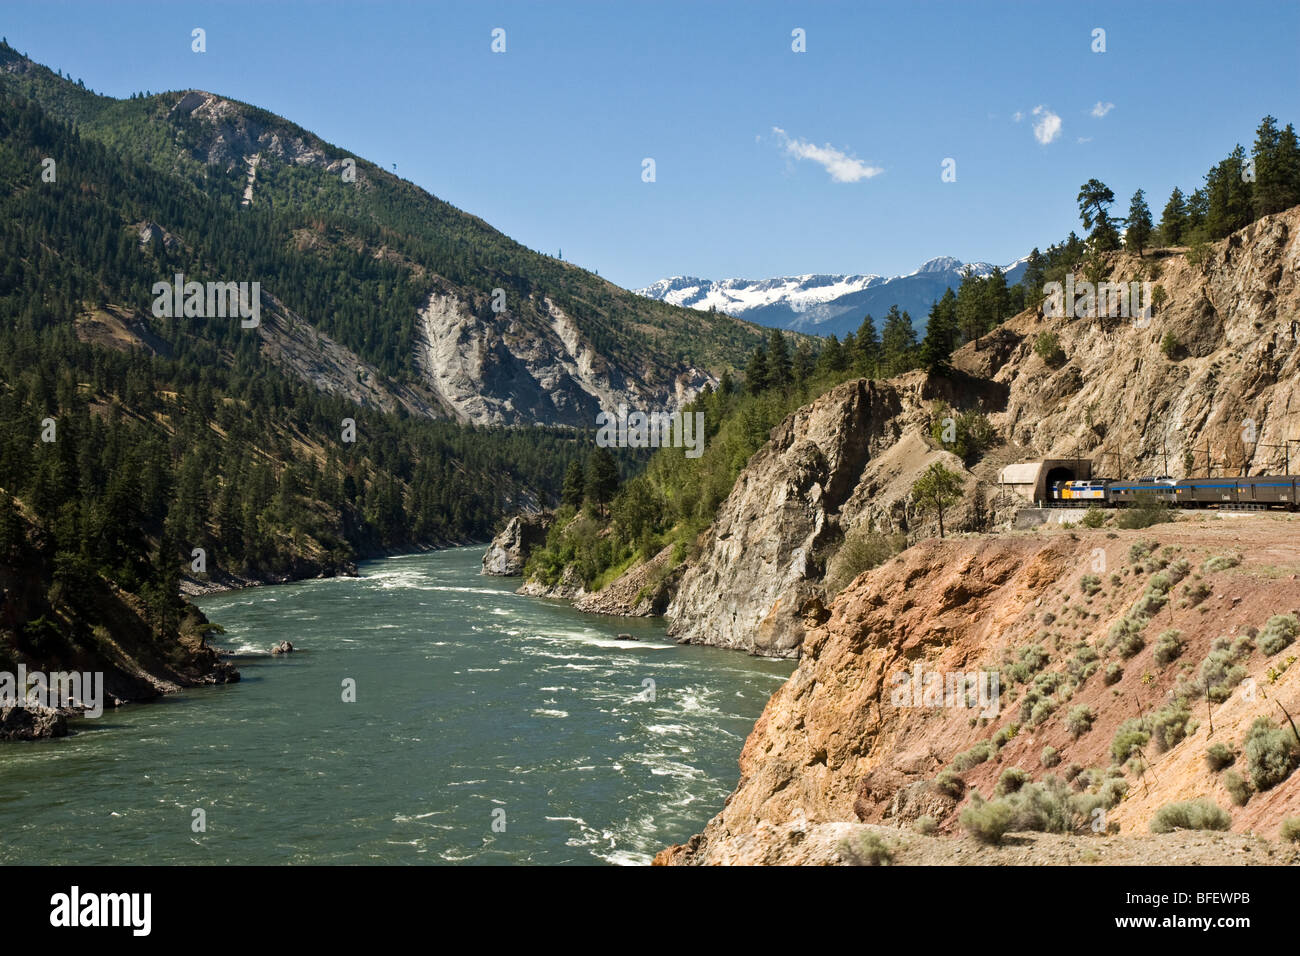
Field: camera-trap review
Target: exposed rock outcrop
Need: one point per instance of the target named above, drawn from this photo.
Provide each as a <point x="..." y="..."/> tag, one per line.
<point x="1218" y="362"/>
<point x="834" y="745"/>
<point x="570" y="587"/>
<point x="847" y="459"/>
<point x="31" y="722"/>
<point x="509" y="550"/>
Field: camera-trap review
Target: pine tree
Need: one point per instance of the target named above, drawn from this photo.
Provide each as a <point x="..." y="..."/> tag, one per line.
<point x="802" y="365"/>
<point x="937" y="490"/>
<point x="867" y="348"/>
<point x="832" y="358"/>
<point x="997" y="299"/>
<point x="1277" y="168"/>
<point x="942" y="334"/>
<point x="574" y="486"/>
<point x="1197" y="206"/>
<point x="778" y="361"/>
<point x="1228" y="197"/>
<point x="1139" y="223"/>
<point x="970" y="306"/>
<point x="757" y="379"/>
<point x="898" y="342"/>
<point x="1033" y="279"/>
<point x="1173" y="221"/>
<point x="601" y="483"/>
<point x="1094" y="201"/>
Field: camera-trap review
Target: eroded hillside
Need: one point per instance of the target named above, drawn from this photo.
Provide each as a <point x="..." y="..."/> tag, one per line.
<point x="1123" y="657"/>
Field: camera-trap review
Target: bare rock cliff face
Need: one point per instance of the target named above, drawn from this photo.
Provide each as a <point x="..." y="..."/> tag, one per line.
<point x="530" y="364"/>
<point x="1218" y="362"/>
<point x="847" y="458"/>
<point x="509" y="550"/>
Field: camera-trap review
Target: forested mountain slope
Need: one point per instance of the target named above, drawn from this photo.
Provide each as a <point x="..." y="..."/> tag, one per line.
<point x="404" y="281"/>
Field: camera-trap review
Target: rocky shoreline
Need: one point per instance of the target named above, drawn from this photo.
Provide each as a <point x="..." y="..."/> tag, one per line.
<point x="644" y="590"/>
<point x="132" y="678"/>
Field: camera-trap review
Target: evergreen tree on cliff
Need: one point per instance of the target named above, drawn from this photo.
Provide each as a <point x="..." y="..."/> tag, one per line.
<point x="942" y="334"/>
<point x="868" y="348"/>
<point x="1034" y="278"/>
<point x="1139" y="224"/>
<point x="1173" y="221"/>
<point x="898" y="342"/>
<point x="970" y="306"/>
<point x="937" y="490"/>
<point x="1094" y="199"/>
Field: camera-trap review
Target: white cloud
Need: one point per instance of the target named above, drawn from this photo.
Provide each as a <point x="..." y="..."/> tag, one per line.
<point x="1085" y="139"/>
<point x="1017" y="116"/>
<point x="1101" y="109"/>
<point x="842" y="167"/>
<point x="1048" y="126"/>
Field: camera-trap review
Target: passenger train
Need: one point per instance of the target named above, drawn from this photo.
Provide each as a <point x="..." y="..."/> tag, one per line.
<point x="1260" y="491"/>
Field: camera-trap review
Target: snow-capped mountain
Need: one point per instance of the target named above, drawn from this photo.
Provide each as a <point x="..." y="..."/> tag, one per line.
<point x="822" y="304"/>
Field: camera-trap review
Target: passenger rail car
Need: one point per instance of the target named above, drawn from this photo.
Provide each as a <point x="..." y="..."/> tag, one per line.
<point x="1128" y="491"/>
<point x="1260" y="491"/>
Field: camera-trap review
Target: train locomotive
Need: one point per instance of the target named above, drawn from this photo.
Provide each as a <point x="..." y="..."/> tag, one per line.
<point x="1259" y="491"/>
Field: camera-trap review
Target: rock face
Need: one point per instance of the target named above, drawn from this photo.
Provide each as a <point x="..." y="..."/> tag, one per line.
<point x="30" y="722"/>
<point x="569" y="588"/>
<point x="1218" y="362"/>
<point x="832" y="465"/>
<point x="562" y="344"/>
<point x="509" y="550"/>
<point x="835" y="745"/>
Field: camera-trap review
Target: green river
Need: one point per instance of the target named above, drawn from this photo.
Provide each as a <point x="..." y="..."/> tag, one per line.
<point x="487" y="727"/>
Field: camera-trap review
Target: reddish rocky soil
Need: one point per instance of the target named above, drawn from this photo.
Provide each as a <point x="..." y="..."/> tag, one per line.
<point x="831" y="747"/>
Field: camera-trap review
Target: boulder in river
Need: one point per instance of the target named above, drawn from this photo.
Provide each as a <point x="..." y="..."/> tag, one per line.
<point x="284" y="647"/>
<point x="28" y="721"/>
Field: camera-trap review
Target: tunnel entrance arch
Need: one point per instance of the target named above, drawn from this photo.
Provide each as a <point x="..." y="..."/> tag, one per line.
<point x="1060" y="469"/>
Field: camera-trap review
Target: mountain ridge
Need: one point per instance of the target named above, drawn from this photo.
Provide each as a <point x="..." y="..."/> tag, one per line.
<point x="529" y="339"/>
<point x="824" y="303"/>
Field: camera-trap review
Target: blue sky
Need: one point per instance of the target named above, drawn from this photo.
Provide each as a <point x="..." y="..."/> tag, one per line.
<point x="546" y="140"/>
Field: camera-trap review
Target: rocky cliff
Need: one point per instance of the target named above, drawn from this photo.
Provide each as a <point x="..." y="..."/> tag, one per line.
<point x="49" y="627"/>
<point x="835" y="745"/>
<point x="508" y="552"/>
<point x="1216" y="364"/>
<point x="845" y="461"/>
